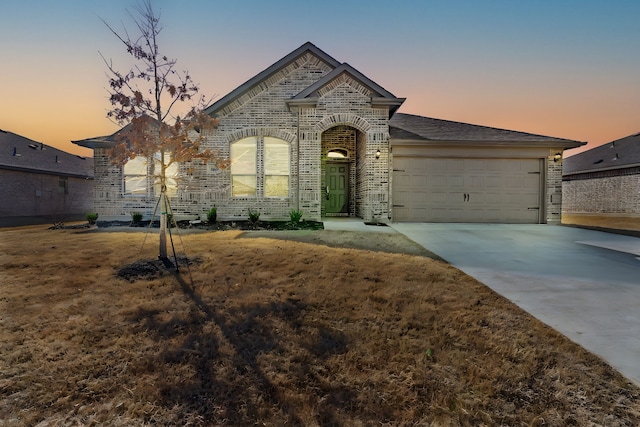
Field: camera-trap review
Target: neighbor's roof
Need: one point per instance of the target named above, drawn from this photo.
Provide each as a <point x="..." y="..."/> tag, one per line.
<point x="424" y="129"/>
<point x="618" y="154"/>
<point x="381" y="96"/>
<point x="24" y="154"/>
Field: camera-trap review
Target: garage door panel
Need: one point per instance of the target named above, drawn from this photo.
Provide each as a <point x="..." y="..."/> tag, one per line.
<point x="456" y="181"/>
<point x="418" y="180"/>
<point x="466" y="190"/>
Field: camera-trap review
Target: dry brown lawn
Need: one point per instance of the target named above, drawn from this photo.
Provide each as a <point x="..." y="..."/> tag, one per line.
<point x="273" y="331"/>
<point x="616" y="222"/>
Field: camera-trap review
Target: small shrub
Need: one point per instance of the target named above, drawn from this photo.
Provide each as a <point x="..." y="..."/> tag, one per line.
<point x="254" y="216"/>
<point x="295" y="216"/>
<point x="212" y="215"/>
<point x="136" y="217"/>
<point x="91" y="218"/>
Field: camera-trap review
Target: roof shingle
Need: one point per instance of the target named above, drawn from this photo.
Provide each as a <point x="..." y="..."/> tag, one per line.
<point x="20" y="153"/>
<point x="407" y="126"/>
<point x="618" y="154"/>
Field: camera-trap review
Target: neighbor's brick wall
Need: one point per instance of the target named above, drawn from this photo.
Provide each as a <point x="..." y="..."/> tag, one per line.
<point x="602" y="195"/>
<point x="38" y="194"/>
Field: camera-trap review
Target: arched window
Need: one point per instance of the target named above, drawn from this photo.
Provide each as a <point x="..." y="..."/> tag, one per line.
<point x="338" y="154"/>
<point x="243" y="167"/>
<point x="272" y="176"/>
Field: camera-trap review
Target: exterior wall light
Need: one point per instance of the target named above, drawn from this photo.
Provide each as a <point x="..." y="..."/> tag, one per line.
<point x="378" y="154"/>
<point x="557" y="157"/>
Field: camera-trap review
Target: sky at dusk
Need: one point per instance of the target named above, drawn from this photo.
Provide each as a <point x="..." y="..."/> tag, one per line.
<point x="562" y="68"/>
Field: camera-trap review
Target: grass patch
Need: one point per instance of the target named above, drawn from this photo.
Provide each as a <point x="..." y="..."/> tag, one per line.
<point x="274" y="332"/>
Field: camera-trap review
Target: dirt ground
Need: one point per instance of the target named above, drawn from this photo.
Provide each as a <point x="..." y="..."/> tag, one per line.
<point x="303" y="328"/>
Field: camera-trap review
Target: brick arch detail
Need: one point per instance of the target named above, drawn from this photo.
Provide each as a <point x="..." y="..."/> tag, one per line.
<point x="343" y="119"/>
<point x="258" y="132"/>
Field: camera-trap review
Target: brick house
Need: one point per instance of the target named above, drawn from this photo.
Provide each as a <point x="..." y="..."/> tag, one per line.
<point x="40" y="184"/>
<point x="314" y="134"/>
<point x="604" y="180"/>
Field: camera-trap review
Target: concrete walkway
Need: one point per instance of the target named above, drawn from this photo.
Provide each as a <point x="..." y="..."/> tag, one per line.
<point x="583" y="283"/>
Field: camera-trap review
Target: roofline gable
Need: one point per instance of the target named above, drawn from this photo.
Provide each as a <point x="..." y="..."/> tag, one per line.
<point x="345" y="69"/>
<point x="308" y="47"/>
<point x="109" y="141"/>
<point x="383" y="98"/>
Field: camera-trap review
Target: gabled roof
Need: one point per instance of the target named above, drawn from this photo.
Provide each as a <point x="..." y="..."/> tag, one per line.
<point x="425" y="129"/>
<point x="108" y="141"/>
<point x="23" y="154"/>
<point x="379" y="96"/>
<point x="618" y="154"/>
<point x="308" y="95"/>
<point x="264" y="75"/>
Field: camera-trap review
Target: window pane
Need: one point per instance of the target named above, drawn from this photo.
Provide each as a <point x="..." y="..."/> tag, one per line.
<point x="243" y="157"/>
<point x="243" y="185"/>
<point x="276" y="186"/>
<point x="171" y="175"/>
<point x="135" y="176"/>
<point x="137" y="166"/>
<point x="276" y="156"/>
<point x="135" y="185"/>
<point x="276" y="167"/>
<point x="243" y="167"/>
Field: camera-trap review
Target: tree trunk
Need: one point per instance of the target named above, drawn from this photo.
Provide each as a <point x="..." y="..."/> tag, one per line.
<point x="164" y="208"/>
<point x="163" y="226"/>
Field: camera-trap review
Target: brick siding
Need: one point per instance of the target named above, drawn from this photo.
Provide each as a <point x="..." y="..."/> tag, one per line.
<point x="343" y="118"/>
<point x="43" y="195"/>
<point x="610" y="192"/>
<point x="554" y="197"/>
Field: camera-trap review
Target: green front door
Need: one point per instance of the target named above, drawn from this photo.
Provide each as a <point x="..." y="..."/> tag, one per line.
<point x="337" y="189"/>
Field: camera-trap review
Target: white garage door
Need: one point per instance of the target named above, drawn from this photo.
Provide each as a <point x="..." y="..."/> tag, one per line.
<point x="466" y="190"/>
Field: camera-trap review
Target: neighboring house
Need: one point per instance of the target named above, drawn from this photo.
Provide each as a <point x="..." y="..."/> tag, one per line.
<point x="40" y="184"/>
<point x="604" y="180"/>
<point x="314" y="134"/>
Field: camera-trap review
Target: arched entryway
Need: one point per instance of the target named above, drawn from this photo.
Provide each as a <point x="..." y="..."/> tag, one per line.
<point x="341" y="173"/>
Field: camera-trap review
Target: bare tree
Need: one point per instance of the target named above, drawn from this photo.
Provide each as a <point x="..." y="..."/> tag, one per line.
<point x="145" y="100"/>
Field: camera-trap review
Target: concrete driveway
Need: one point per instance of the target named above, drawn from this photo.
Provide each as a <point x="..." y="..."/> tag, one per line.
<point x="583" y="283"/>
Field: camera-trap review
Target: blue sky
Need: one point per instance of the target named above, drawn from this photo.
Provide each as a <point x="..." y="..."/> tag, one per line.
<point x="560" y="68"/>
